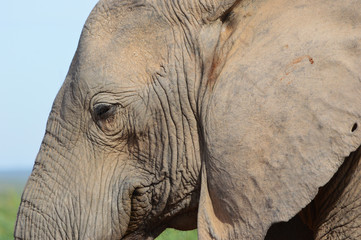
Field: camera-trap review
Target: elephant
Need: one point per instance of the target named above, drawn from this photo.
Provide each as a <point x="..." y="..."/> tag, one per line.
<point x="240" y="118"/>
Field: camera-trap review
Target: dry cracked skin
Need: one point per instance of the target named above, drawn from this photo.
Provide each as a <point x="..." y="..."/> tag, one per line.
<point x="239" y="118"/>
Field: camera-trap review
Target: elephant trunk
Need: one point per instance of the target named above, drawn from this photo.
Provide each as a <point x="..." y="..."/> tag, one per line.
<point x="66" y="199"/>
<point x="33" y="223"/>
<point x="40" y="215"/>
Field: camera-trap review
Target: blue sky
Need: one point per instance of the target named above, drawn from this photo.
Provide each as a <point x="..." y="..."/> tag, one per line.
<point x="38" y="39"/>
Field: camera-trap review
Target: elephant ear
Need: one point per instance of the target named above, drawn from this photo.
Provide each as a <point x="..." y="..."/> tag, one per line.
<point x="282" y="115"/>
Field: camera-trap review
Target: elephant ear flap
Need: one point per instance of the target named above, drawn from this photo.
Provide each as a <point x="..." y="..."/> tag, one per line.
<point x="281" y="118"/>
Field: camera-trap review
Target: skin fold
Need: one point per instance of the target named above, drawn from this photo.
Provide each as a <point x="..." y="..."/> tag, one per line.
<point x="233" y="117"/>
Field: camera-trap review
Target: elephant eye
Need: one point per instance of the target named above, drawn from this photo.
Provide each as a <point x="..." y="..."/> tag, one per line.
<point x="102" y="111"/>
<point x="107" y="117"/>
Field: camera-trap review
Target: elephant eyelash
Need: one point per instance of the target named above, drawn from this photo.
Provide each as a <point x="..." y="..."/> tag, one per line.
<point x="108" y="118"/>
<point x="102" y="111"/>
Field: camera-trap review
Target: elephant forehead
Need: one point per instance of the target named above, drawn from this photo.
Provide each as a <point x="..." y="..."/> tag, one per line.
<point x="108" y="14"/>
<point x="123" y="48"/>
<point x="123" y="66"/>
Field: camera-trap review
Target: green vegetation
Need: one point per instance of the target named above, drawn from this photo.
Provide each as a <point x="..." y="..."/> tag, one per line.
<point x="171" y="234"/>
<point x="10" y="193"/>
<point x="9" y="203"/>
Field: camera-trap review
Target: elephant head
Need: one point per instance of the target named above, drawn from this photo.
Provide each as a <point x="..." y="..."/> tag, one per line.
<point x="224" y="115"/>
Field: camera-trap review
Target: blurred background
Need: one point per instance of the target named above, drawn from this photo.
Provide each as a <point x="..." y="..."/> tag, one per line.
<point x="38" y="39"/>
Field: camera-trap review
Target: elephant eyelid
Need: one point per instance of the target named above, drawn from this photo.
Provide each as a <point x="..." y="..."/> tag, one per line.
<point x="102" y="111"/>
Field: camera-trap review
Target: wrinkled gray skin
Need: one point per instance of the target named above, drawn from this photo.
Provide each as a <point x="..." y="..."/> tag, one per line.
<point x="219" y="114"/>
